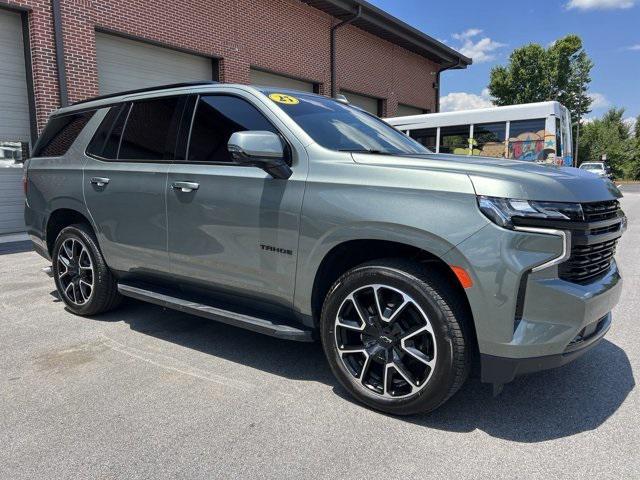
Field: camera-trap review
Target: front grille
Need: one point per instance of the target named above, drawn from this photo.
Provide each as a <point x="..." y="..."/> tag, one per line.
<point x="594" y="212"/>
<point x="593" y="244"/>
<point x="588" y="262"/>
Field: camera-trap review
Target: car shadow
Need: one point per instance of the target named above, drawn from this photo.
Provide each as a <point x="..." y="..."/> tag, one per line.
<point x="548" y="405"/>
<point x="15" y="247"/>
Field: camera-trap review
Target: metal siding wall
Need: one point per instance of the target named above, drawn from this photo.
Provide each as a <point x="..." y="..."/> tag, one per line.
<point x="14" y="119"/>
<point x="267" y="79"/>
<point x="11" y="201"/>
<point x="406" y="110"/>
<point x="369" y="104"/>
<point x="125" y="64"/>
<point x="14" y="99"/>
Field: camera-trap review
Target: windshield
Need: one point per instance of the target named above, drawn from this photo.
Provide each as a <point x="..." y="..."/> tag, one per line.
<point x="341" y="127"/>
<point x="591" y="166"/>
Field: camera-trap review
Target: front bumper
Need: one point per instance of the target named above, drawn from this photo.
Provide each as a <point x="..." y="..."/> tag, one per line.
<point x="500" y="370"/>
<point x="528" y="320"/>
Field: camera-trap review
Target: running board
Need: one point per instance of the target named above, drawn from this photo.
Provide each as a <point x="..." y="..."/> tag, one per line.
<point x="248" y="322"/>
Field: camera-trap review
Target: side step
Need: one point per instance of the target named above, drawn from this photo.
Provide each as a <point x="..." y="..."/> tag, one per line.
<point x="249" y="322"/>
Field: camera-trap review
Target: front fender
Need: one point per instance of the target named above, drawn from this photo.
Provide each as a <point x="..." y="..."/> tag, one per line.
<point x="310" y="262"/>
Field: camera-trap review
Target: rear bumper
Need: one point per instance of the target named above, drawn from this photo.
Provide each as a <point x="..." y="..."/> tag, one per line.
<point x="35" y="225"/>
<point x="502" y="370"/>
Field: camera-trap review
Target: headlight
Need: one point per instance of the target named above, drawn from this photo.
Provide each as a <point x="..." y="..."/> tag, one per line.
<point x="503" y="211"/>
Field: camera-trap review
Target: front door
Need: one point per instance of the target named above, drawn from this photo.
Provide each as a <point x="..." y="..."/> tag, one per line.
<point x="125" y="182"/>
<point x="231" y="227"/>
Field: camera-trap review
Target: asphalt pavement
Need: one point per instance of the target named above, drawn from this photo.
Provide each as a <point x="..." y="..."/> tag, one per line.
<point x="144" y="392"/>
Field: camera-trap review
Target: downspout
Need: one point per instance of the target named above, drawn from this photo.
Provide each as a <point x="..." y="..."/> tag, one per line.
<point x="449" y="67"/>
<point x="332" y="53"/>
<point x="57" y="33"/>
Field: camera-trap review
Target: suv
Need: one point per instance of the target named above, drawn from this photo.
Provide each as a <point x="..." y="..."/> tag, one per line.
<point x="301" y="217"/>
<point x="599" y="168"/>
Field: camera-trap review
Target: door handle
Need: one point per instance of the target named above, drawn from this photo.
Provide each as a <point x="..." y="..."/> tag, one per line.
<point x="185" y="187"/>
<point x="99" y="181"/>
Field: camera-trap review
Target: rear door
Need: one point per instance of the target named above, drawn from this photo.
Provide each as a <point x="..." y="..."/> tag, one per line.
<point x="236" y="229"/>
<point x="125" y="181"/>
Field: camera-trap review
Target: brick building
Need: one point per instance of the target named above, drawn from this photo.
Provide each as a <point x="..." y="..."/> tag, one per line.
<point x="56" y="52"/>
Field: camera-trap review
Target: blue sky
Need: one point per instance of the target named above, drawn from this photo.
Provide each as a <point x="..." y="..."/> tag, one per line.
<point x="489" y="30"/>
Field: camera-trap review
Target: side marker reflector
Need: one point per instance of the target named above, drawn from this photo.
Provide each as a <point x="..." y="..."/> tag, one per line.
<point x="463" y="276"/>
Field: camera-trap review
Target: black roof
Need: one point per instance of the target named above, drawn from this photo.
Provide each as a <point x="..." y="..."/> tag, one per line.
<point x="381" y="24"/>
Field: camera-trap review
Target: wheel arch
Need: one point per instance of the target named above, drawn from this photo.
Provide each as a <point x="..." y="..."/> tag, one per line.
<point x="349" y="254"/>
<point x="59" y="219"/>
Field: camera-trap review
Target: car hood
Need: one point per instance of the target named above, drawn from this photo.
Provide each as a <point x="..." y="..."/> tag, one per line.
<point x="500" y="177"/>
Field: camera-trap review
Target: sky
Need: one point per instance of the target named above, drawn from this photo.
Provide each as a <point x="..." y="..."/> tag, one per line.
<point x="489" y="30"/>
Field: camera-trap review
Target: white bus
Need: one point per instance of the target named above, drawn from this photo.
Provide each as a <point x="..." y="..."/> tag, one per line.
<point x="537" y="132"/>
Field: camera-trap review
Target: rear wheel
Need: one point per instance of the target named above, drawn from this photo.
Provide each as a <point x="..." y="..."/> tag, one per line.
<point x="83" y="279"/>
<point x="393" y="334"/>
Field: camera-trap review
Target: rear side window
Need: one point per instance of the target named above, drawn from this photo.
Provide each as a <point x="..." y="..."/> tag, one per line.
<point x="60" y="133"/>
<point x="151" y="130"/>
<point x="217" y="118"/>
<point x="106" y="140"/>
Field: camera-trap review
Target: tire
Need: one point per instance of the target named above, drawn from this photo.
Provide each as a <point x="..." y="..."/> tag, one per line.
<point x="412" y="299"/>
<point x="77" y="263"/>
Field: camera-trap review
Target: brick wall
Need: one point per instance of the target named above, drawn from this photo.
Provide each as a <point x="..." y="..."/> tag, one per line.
<point x="285" y="36"/>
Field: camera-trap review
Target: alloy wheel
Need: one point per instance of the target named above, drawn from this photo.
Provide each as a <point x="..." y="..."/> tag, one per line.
<point x="385" y="341"/>
<point x="75" y="271"/>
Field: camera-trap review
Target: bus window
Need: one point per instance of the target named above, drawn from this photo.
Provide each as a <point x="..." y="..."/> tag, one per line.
<point x="559" y="142"/>
<point x="489" y="139"/>
<point x="455" y="139"/>
<point x="526" y="139"/>
<point x="426" y="136"/>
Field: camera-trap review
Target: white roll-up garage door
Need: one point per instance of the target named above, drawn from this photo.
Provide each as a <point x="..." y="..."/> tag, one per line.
<point x="406" y="110"/>
<point x="370" y="104"/>
<point x="267" y="79"/>
<point x="125" y="64"/>
<point x="14" y="121"/>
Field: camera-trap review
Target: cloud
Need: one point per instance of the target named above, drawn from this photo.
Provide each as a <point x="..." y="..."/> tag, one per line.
<point x="480" y="50"/>
<point x="465" y="101"/>
<point x="634" y="48"/>
<point x="472" y="32"/>
<point x="598" y="100"/>
<point x="600" y="4"/>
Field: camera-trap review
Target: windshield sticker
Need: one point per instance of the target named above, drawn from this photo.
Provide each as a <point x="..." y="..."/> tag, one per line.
<point x="282" y="98"/>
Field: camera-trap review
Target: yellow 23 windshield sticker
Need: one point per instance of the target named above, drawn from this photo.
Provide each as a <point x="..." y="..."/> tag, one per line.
<point x="282" y="98"/>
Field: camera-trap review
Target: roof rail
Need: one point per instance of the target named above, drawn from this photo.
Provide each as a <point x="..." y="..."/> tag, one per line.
<point x="147" y="89"/>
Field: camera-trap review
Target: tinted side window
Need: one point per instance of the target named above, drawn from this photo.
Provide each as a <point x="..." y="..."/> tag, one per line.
<point x="150" y="133"/>
<point x="216" y="118"/>
<point x="105" y="142"/>
<point x="526" y="139"/>
<point x="489" y="138"/>
<point x="60" y="133"/>
<point x="455" y="139"/>
<point x="559" y="152"/>
<point x="426" y="136"/>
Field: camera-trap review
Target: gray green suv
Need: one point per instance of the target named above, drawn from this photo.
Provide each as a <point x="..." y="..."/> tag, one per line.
<point x="301" y="217"/>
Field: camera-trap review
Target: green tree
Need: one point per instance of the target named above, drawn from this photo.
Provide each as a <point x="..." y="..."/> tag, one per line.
<point x="535" y="74"/>
<point x="611" y="136"/>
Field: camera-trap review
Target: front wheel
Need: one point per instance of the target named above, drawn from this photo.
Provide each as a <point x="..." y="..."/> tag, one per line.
<point x="393" y="333"/>
<point x="83" y="279"/>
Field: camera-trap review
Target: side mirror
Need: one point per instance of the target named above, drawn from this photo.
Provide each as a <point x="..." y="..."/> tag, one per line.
<point x="260" y="149"/>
